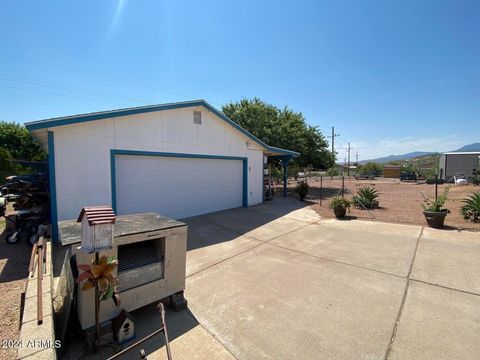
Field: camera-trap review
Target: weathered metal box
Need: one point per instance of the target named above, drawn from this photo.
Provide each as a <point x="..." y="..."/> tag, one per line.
<point x="151" y="252"/>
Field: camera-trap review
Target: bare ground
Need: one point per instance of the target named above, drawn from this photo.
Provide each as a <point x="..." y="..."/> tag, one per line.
<point x="400" y="202"/>
<point x="14" y="261"/>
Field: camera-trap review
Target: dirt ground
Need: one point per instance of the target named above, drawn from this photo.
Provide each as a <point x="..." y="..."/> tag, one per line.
<point x="400" y="202"/>
<point x="14" y="261"/>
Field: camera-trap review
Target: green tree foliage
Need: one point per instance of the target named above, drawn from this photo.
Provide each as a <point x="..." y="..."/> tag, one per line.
<point x="5" y="160"/>
<point x="370" y="168"/>
<point x="282" y="128"/>
<point x="16" y="139"/>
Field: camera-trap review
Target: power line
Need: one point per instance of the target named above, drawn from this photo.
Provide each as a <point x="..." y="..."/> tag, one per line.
<point x="61" y="86"/>
<point x="59" y="94"/>
<point x="83" y="72"/>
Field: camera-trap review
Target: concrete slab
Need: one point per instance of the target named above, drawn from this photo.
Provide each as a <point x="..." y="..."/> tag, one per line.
<point x="374" y="245"/>
<point x="271" y="303"/>
<point x="290" y="208"/>
<point x="209" y="244"/>
<point x="253" y="223"/>
<point x="438" y="324"/>
<point x="449" y="258"/>
<point x="188" y="339"/>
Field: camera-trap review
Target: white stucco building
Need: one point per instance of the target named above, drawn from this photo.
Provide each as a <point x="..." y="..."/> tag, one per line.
<point x="179" y="160"/>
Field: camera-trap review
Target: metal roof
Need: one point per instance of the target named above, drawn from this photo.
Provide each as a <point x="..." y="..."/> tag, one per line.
<point x="80" y="118"/>
<point x="97" y="215"/>
<point x="462" y="153"/>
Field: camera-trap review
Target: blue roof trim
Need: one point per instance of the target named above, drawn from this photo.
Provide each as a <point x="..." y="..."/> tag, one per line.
<point x="75" y="119"/>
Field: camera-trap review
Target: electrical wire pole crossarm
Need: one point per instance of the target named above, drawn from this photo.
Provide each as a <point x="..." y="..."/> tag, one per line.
<point x="333" y="136"/>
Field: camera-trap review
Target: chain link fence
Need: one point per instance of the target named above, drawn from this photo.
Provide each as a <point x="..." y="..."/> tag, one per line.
<point x="399" y="201"/>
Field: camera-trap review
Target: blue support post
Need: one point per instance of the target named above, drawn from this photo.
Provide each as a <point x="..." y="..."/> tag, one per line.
<point x="285" y="162"/>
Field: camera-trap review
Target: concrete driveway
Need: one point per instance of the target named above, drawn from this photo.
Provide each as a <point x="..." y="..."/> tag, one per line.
<point x="277" y="282"/>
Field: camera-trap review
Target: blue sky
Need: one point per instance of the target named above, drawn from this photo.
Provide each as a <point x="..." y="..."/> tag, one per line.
<point x="391" y="76"/>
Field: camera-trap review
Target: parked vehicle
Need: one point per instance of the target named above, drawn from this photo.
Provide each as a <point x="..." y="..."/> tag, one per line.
<point x="408" y="177"/>
<point x="365" y="177"/>
<point x="432" y="181"/>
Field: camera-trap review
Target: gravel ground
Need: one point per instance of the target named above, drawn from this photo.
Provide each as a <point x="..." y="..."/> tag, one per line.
<point x="400" y="202"/>
<point x="14" y="261"/>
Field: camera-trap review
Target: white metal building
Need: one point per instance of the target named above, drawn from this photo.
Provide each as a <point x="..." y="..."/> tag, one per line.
<point x="459" y="164"/>
<point x="179" y="160"/>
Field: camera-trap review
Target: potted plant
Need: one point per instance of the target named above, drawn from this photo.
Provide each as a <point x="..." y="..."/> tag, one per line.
<point x="340" y="206"/>
<point x="302" y="189"/>
<point x="434" y="211"/>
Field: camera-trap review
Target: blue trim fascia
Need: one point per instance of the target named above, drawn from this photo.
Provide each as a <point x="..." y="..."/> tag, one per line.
<point x="283" y="151"/>
<point x="69" y="120"/>
<point x="245" y="182"/>
<point x="52" y="185"/>
<point x="75" y="119"/>
<point x="113" y="181"/>
<point x="114" y="152"/>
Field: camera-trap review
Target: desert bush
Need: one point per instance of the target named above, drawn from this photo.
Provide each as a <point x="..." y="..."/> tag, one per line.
<point x="333" y="171"/>
<point x="471" y="209"/>
<point x="302" y="189"/>
<point x="366" y="197"/>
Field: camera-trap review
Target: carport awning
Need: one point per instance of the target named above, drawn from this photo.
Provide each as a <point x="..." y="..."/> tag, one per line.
<point x="275" y="151"/>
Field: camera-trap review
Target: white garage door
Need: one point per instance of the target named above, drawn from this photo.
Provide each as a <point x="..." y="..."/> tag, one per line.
<point x="177" y="187"/>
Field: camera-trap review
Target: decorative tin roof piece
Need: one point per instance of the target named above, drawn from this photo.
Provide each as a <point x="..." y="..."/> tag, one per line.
<point x="97" y="215"/>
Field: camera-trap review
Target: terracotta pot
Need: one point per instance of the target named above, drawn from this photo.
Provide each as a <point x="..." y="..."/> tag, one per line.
<point x="339" y="212"/>
<point x="435" y="219"/>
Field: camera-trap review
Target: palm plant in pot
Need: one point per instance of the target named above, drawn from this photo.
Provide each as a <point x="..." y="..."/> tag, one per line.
<point x="434" y="211"/>
<point x="340" y="205"/>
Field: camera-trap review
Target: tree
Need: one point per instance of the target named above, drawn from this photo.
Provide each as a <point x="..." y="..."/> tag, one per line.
<point x="6" y="160"/>
<point x="16" y="139"/>
<point x="370" y="168"/>
<point x="282" y="128"/>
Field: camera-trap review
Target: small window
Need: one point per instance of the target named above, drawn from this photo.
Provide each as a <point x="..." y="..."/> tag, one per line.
<point x="197" y="117"/>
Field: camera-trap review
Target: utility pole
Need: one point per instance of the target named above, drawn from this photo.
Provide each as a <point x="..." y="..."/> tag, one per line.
<point x="356" y="159"/>
<point x="333" y="139"/>
<point x="348" y="163"/>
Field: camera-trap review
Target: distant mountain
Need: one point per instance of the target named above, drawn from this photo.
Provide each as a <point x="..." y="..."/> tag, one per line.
<point x="471" y="147"/>
<point x="389" y="158"/>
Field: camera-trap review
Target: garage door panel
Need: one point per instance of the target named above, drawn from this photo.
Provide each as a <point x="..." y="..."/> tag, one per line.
<point x="177" y="187"/>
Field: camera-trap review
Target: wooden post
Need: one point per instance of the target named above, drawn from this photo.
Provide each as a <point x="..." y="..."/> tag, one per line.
<point x="321" y="187"/>
<point x="39" y="286"/>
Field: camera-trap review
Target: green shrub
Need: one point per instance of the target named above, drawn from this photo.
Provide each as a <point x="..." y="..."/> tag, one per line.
<point x="302" y="189"/>
<point x="293" y="170"/>
<point x="339" y="201"/>
<point x="366" y="197"/>
<point x="436" y="205"/>
<point x="276" y="173"/>
<point x="471" y="209"/>
<point x="333" y="171"/>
